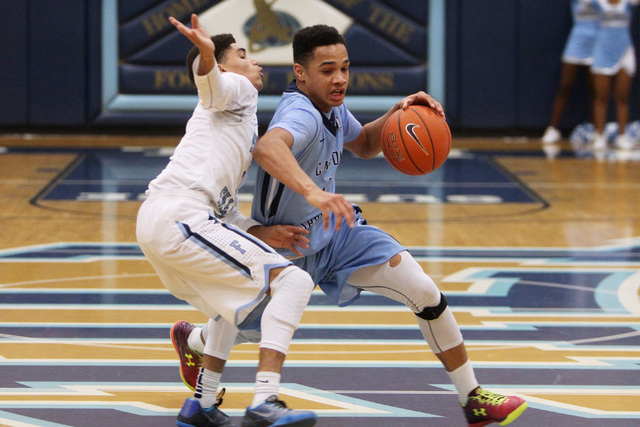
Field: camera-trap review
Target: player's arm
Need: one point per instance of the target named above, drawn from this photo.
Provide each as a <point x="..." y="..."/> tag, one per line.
<point x="369" y="142"/>
<point x="213" y="92"/>
<point x="273" y="153"/>
<point x="201" y="39"/>
<point x="282" y="236"/>
<point x="277" y="236"/>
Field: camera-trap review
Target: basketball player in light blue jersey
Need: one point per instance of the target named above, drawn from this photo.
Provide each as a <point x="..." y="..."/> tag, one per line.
<point x="577" y="56"/>
<point x="299" y="155"/>
<point x="318" y="140"/>
<point x="614" y="63"/>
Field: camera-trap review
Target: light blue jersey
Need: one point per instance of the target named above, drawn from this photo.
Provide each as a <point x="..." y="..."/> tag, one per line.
<point x="332" y="255"/>
<point x="318" y="142"/>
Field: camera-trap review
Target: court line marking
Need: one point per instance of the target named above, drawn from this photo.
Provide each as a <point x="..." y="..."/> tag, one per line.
<point x="345" y="406"/>
<point x="595" y="364"/>
<point x="82" y="278"/>
<point x="15" y="420"/>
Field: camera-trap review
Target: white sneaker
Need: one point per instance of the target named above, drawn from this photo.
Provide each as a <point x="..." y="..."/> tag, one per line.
<point x="623" y="142"/>
<point x="599" y="142"/>
<point x="551" y="135"/>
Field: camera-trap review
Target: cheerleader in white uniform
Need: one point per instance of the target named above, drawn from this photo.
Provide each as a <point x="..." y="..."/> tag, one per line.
<point x="577" y="56"/>
<point x="614" y="64"/>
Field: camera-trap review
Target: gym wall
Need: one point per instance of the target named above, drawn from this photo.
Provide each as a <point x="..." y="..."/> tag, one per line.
<point x="497" y="70"/>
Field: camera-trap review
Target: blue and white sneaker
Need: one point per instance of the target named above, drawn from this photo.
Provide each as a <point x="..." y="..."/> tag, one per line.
<point x="274" y="412"/>
<point x="192" y="415"/>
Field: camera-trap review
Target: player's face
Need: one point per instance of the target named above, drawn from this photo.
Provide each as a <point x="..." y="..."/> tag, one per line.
<point x="237" y="61"/>
<point x="326" y="76"/>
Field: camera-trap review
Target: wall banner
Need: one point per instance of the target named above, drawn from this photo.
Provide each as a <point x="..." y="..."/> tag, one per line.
<point x="395" y="47"/>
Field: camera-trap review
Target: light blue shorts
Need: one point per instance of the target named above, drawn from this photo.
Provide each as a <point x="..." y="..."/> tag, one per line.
<point x="349" y="250"/>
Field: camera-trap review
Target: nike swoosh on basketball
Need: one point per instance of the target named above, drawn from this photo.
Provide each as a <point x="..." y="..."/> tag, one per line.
<point x="409" y="129"/>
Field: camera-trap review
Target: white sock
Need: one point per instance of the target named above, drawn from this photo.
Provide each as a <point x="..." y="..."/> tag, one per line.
<point x="464" y="379"/>
<point x="195" y="341"/>
<point x="207" y="387"/>
<point x="267" y="384"/>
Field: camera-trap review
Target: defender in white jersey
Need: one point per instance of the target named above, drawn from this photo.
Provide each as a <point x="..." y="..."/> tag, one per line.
<point x="192" y="233"/>
<point x="301" y="151"/>
<point x="614" y="66"/>
<point x="577" y="56"/>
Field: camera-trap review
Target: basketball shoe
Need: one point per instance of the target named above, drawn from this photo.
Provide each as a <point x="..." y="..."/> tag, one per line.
<point x="190" y="360"/>
<point x="275" y="412"/>
<point x="193" y="415"/>
<point x="485" y="407"/>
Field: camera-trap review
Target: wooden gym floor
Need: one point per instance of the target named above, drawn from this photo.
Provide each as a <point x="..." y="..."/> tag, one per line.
<point x="538" y="257"/>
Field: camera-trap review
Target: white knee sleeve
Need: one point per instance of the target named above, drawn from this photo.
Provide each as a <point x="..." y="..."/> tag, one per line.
<point x="443" y="333"/>
<point x="408" y="284"/>
<point x="220" y="336"/>
<point x="290" y="293"/>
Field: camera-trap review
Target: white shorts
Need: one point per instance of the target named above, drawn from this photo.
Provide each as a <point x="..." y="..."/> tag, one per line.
<point x="215" y="267"/>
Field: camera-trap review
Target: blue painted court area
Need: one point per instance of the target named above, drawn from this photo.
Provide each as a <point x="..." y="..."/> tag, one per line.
<point x="466" y="177"/>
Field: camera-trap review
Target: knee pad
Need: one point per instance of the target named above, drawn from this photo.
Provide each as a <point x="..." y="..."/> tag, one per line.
<point x="291" y="289"/>
<point x="290" y="294"/>
<point x="432" y="313"/>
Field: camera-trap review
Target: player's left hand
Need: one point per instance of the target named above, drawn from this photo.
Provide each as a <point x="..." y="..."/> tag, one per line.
<point x="282" y="236"/>
<point x="421" y="98"/>
<point x="197" y="34"/>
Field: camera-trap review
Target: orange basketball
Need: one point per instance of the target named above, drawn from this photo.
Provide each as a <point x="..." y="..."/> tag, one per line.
<point x="416" y="141"/>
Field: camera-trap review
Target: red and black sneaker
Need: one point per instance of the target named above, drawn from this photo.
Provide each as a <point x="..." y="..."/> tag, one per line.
<point x="190" y="360"/>
<point x="486" y="407"/>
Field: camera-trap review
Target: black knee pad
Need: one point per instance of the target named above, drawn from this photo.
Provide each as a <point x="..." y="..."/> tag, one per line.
<point x="432" y="313"/>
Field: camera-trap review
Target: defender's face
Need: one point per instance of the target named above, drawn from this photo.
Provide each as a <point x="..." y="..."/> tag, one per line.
<point x="325" y="78"/>
<point x="237" y="61"/>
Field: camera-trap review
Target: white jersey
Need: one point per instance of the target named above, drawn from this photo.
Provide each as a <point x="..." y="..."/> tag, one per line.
<point x="217" y="268"/>
<point x="215" y="153"/>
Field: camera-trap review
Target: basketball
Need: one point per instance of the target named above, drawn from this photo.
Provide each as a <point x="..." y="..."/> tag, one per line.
<point x="416" y="141"/>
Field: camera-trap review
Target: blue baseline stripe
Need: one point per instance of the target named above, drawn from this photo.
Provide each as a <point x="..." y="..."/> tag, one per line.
<point x="612" y="364"/>
<point x="612" y="338"/>
<point x="627" y="254"/>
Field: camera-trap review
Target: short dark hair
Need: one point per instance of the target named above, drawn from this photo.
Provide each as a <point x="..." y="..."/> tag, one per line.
<point x="222" y="42"/>
<point x="309" y="38"/>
